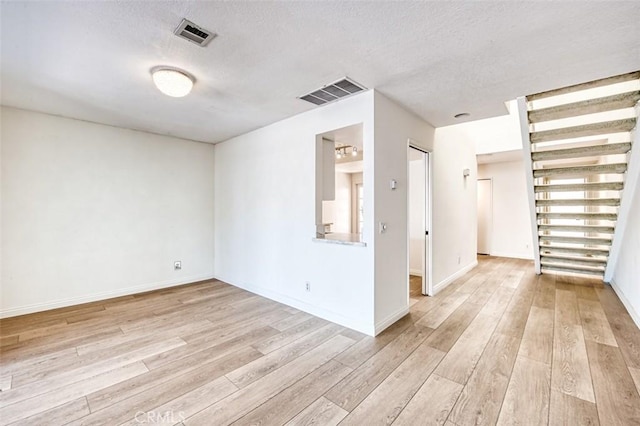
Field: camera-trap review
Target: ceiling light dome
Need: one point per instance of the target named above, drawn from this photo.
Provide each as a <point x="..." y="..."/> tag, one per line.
<point x="172" y="81"/>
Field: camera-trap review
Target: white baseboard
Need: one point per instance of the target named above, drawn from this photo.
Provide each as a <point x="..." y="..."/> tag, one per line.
<point x="368" y="329"/>
<point x="451" y="278"/>
<point x="632" y="312"/>
<point x="95" y="297"/>
<point x="416" y="272"/>
<point x="513" y="255"/>
<point x="382" y="325"/>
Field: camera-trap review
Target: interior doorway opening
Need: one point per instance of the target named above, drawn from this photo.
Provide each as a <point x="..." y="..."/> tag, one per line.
<point x="419" y="197"/>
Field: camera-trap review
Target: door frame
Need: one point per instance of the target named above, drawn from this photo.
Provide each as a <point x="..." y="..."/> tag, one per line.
<point x="490" y="230"/>
<point x="427" y="277"/>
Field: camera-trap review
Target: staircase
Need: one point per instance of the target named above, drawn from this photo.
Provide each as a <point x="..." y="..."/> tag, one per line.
<point x="578" y="141"/>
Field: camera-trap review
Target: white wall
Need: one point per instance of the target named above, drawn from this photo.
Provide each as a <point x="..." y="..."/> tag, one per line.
<point x="265" y="217"/>
<point x="92" y="211"/>
<point x="511" y="230"/>
<point x="394" y="126"/>
<point x="338" y="211"/>
<point x="416" y="216"/>
<point x="454" y="204"/>
<point x="626" y="277"/>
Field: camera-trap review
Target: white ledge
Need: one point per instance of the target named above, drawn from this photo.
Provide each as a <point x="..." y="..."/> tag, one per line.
<point x="343" y="239"/>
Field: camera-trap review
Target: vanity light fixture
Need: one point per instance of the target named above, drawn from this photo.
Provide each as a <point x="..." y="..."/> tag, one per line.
<point x="343" y="151"/>
<point x="172" y="81"/>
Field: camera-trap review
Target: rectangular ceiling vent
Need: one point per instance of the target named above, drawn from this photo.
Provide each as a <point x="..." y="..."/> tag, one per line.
<point x="194" y="33"/>
<point x="334" y="91"/>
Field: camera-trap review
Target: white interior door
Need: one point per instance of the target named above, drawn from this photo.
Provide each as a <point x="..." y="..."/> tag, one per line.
<point x="419" y="218"/>
<point x="485" y="216"/>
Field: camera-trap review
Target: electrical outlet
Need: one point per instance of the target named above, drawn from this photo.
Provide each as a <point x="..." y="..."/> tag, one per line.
<point x="177" y="265"/>
<point x="307" y="286"/>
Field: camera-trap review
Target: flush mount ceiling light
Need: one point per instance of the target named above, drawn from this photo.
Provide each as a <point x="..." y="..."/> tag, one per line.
<point x="172" y="81"/>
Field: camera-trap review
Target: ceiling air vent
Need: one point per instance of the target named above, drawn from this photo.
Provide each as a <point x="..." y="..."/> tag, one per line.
<point x="332" y="92"/>
<point x="193" y="33"/>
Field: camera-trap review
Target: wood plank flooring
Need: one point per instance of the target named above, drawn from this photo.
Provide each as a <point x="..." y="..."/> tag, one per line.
<point x="500" y="345"/>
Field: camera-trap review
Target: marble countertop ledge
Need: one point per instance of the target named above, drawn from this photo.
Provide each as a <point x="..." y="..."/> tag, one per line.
<point x="343" y="239"/>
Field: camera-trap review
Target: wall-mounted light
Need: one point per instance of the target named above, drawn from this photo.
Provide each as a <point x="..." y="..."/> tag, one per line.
<point x="172" y="81"/>
<point x="343" y="151"/>
<point x="354" y="151"/>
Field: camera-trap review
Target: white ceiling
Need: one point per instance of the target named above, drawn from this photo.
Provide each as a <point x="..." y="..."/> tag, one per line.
<point x="91" y="60"/>
<point x="500" y="157"/>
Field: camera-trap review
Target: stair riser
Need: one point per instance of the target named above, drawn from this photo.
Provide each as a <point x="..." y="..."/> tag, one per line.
<point x="617" y="126"/>
<point x="571" y="270"/>
<point x="578" y="216"/>
<point x="588" y="151"/>
<point x="587" y="187"/>
<point x="549" y="259"/>
<point x="584" y="86"/>
<point x="581" y="171"/>
<point x="576" y="251"/>
<point x="590" y="106"/>
<point x="573" y="265"/>
<point x="611" y="202"/>
<point x="584" y="229"/>
<point x="575" y="240"/>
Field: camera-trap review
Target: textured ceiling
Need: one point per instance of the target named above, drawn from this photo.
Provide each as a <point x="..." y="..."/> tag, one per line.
<point x="91" y="60"/>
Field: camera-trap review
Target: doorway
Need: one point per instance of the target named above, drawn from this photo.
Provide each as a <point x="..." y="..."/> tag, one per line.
<point x="485" y="216"/>
<point x="419" y="208"/>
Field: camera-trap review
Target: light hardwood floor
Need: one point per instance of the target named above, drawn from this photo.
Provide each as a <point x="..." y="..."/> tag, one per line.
<point x="498" y="346"/>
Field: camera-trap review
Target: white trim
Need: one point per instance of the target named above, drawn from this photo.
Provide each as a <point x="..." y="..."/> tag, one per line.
<point x="416" y="272"/>
<point x="391" y="319"/>
<point x="490" y="232"/>
<point x="634" y="315"/>
<point x="352" y="323"/>
<point x="528" y="162"/>
<point x="512" y="255"/>
<point x="71" y="301"/>
<point x="624" y="211"/>
<point x="442" y="284"/>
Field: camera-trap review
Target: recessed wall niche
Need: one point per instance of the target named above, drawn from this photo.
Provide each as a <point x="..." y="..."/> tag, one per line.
<point x="339" y="185"/>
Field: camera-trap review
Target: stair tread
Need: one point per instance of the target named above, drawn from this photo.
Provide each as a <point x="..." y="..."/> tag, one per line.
<point x="573" y="270"/>
<point x="577" y="228"/>
<point x="595" y="267"/>
<point x="585" y="260"/>
<point x="592" y="129"/>
<point x="588" y="251"/>
<point x="614" y="168"/>
<point x="578" y="216"/>
<point x="574" y="187"/>
<point x="576" y="240"/>
<point x="589" y="106"/>
<point x="584" y="151"/>
<point x="579" y="202"/>
<point x="584" y="86"/>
